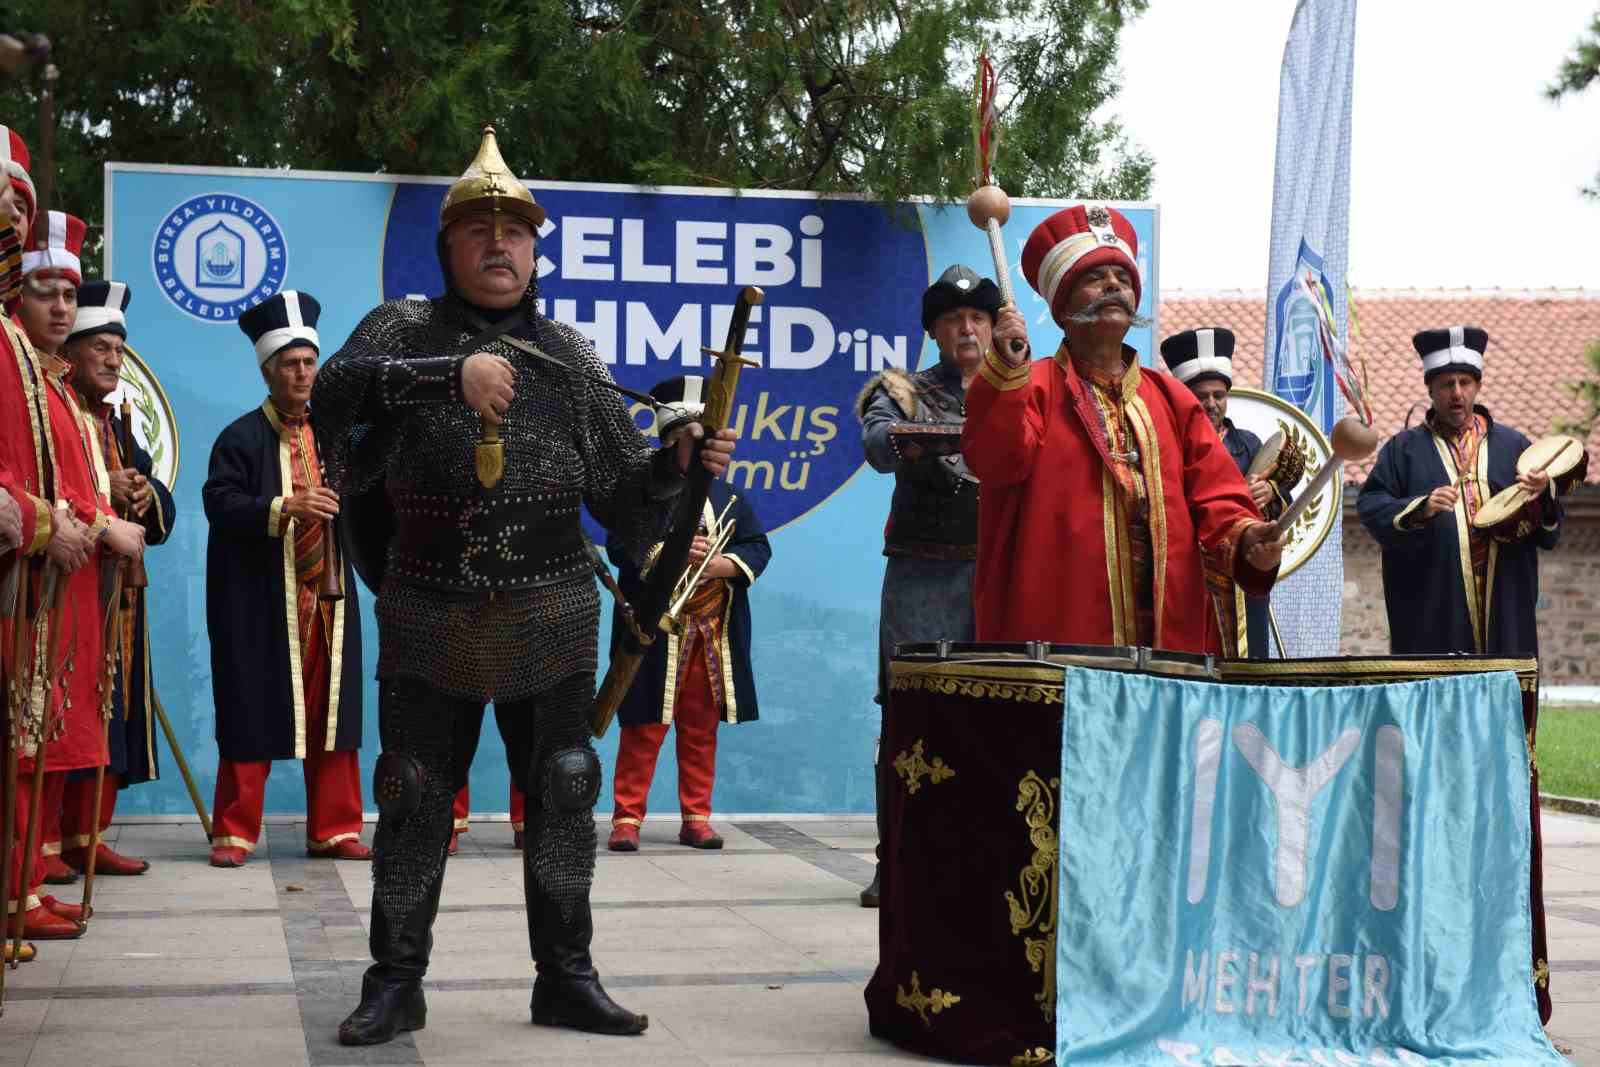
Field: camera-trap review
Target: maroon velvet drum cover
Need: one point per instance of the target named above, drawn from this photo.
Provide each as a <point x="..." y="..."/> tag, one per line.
<point x="972" y="749"/>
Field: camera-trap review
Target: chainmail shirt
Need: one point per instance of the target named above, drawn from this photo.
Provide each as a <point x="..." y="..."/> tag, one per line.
<point x="389" y="407"/>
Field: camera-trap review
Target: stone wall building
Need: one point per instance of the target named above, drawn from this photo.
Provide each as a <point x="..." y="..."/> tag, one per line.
<point x="1536" y="345"/>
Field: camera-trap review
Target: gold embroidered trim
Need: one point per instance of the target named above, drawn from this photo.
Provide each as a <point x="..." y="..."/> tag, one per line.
<point x="291" y="607"/>
<point x="1034" y="908"/>
<point x="923" y="1003"/>
<point x="1034" y="1057"/>
<point x="1001" y="375"/>
<point x="1116" y="574"/>
<point x="1541" y="974"/>
<point x="1402" y="520"/>
<point x="43" y="528"/>
<point x="233" y="842"/>
<point x="1144" y="431"/>
<point x="327" y="846"/>
<point x="1469" y="581"/>
<point x="913" y="768"/>
<point x="1373" y="671"/>
<point x="980" y="689"/>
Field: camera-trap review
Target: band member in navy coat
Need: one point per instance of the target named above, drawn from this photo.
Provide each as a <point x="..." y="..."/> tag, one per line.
<point x="1450" y="586"/>
<point x="698" y="675"/>
<point x="285" y="665"/>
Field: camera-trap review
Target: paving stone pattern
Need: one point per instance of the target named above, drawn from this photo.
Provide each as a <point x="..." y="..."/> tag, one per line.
<point x="756" y="954"/>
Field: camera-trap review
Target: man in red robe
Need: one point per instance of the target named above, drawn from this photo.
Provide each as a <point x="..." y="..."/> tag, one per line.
<point x="1105" y="485"/>
<point x="79" y="688"/>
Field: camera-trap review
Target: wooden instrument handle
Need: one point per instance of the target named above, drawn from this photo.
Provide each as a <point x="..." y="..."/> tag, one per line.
<point x="332" y="586"/>
<point x="136" y="577"/>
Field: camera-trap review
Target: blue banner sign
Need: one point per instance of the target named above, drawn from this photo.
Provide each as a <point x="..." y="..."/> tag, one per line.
<point x="1295" y="876"/>
<point x="650" y="277"/>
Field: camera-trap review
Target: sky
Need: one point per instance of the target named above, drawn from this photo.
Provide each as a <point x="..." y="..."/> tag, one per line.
<point x="1462" y="173"/>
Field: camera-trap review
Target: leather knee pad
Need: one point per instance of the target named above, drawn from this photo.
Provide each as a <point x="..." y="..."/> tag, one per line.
<point x="397" y="785"/>
<point x="573" y="780"/>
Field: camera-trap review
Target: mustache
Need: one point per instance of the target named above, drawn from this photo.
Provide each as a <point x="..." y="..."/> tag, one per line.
<point x="967" y="339"/>
<point x="496" y="259"/>
<point x="1117" y="300"/>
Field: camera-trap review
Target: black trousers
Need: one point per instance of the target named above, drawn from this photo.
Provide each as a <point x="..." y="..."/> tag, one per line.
<point x="440" y="732"/>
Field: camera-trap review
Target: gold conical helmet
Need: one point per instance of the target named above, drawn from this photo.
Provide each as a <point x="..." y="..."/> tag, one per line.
<point x="488" y="185"/>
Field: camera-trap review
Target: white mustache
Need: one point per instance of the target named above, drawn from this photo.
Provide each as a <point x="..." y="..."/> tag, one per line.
<point x="967" y="339"/>
<point x="496" y="259"/>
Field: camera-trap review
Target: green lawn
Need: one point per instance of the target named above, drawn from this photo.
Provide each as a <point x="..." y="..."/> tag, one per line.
<point x="1569" y="750"/>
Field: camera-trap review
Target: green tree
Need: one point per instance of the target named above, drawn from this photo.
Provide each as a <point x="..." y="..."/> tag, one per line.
<point x="863" y="96"/>
<point x="1578" y="71"/>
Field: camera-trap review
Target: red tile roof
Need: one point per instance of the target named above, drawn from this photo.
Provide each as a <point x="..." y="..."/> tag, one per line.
<point x="1536" y="343"/>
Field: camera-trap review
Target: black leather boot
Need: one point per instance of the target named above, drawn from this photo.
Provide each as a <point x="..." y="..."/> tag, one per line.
<point x="869" y="895"/>
<point x="391" y="990"/>
<point x="567" y="991"/>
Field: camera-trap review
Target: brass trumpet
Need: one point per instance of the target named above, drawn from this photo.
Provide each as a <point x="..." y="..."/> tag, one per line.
<point x="690" y="578"/>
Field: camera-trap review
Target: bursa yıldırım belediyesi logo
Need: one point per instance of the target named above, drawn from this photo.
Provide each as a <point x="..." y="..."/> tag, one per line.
<point x="216" y="255"/>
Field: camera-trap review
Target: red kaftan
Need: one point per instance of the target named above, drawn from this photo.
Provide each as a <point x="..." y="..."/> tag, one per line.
<point x="25" y="383"/>
<point x="1053" y="529"/>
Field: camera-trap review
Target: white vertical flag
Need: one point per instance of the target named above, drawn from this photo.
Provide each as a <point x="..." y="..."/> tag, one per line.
<point x="1311" y="238"/>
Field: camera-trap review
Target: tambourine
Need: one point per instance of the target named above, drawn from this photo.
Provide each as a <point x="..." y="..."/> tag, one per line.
<point x="1502" y="513"/>
<point x="1266" y="459"/>
<point x="1563" y="458"/>
<point x="1278" y="461"/>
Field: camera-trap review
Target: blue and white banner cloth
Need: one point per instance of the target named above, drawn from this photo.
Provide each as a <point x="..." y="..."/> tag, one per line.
<point x="1289" y="877"/>
<point x="1311" y="239"/>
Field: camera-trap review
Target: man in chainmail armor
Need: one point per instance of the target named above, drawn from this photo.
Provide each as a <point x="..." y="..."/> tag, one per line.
<point x="484" y="590"/>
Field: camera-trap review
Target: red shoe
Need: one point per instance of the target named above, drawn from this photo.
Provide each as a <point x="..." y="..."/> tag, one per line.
<point x="228" y="856"/>
<point x="42" y="924"/>
<point x="58" y="873"/>
<point x="106" y="861"/>
<point x="455" y="842"/>
<point x="62" y="908"/>
<point x="350" y="848"/>
<point x="699" y="835"/>
<point x="25" y="956"/>
<point x="624" y="838"/>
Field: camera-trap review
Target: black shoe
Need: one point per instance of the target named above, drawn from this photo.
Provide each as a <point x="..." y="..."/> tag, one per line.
<point x="386" y="1009"/>
<point x="567" y="991"/>
<point x="580" y="1003"/>
<point x="391" y="990"/>
<point x="869" y="895"/>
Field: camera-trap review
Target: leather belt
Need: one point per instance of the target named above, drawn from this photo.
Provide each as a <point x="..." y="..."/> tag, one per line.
<point x="930" y="550"/>
<point x="495" y="543"/>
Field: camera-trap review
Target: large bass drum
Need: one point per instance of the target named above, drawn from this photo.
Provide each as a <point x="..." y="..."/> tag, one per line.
<point x="972" y="836"/>
<point x="972" y="753"/>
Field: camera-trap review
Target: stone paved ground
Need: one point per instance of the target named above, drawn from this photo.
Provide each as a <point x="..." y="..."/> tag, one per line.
<point x="757" y="954"/>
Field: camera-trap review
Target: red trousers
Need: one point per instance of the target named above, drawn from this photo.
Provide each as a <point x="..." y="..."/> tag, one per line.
<point x="696" y="717"/>
<point x="77" y="811"/>
<point x="461" y="809"/>
<point x="333" y="800"/>
<point x="54" y="781"/>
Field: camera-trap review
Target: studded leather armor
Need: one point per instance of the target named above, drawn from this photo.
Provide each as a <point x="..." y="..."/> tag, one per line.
<point x="934" y="511"/>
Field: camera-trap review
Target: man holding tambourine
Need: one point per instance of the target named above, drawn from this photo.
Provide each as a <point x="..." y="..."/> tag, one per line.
<point x="1461" y="505"/>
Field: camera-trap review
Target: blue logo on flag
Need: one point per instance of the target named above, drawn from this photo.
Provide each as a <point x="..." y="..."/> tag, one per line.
<point x="217" y="255"/>
<point x="1298" y="358"/>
